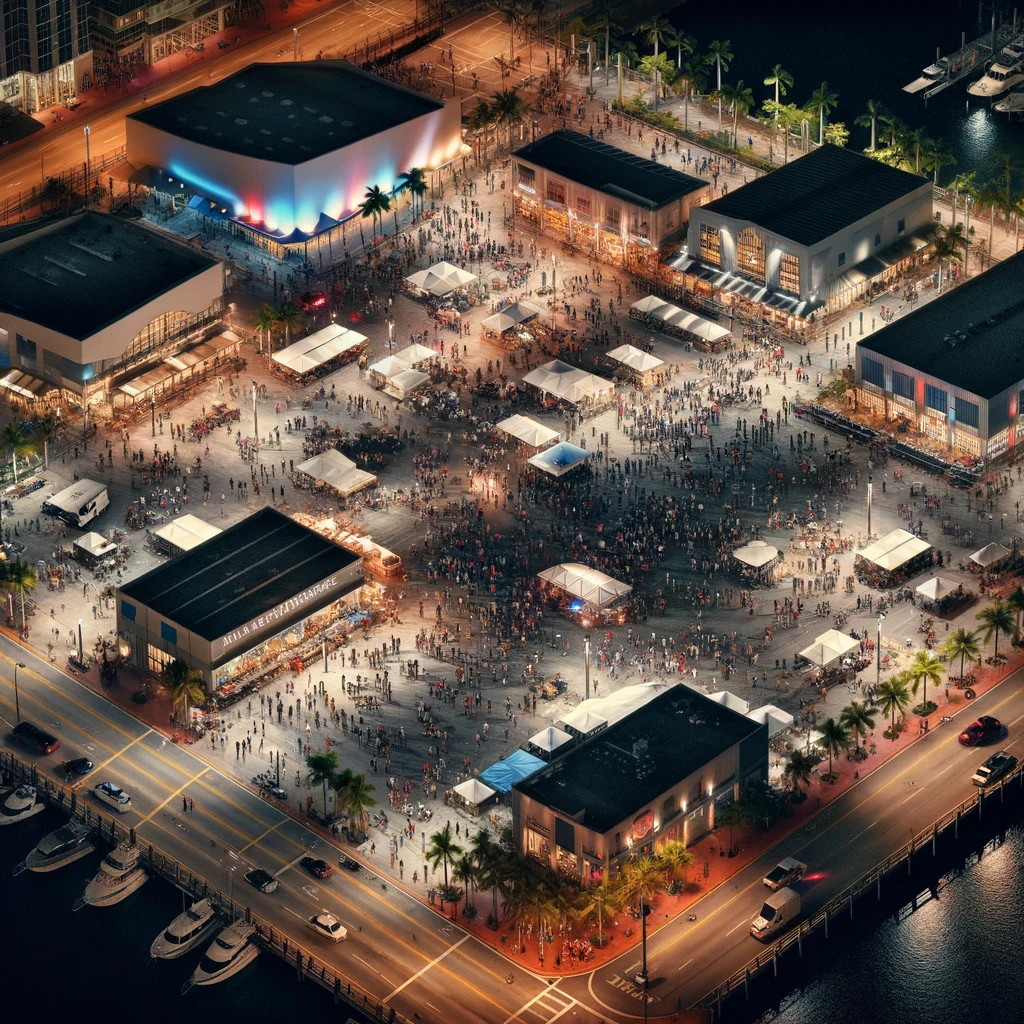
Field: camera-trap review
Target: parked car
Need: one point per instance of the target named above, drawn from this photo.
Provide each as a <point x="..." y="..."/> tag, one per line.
<point x="262" y="880"/>
<point x="114" y="796"/>
<point x="983" y="730"/>
<point x="994" y="768"/>
<point x="317" y="868"/>
<point x="348" y="863"/>
<point x="35" y="737"/>
<point x="77" y="766"/>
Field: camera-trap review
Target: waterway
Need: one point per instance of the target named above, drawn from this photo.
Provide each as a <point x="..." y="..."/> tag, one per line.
<point x="864" y="51"/>
<point x="67" y="966"/>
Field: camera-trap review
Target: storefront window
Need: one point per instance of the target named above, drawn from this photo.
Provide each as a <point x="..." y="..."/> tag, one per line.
<point x="613" y="219"/>
<point x="537" y="846"/>
<point x="556" y="192"/>
<point x="789" y="273"/>
<point x="711" y="245"/>
<point x="527" y="179"/>
<point x="157" y="660"/>
<point x="583" y="205"/>
<point x="750" y="253"/>
<point x="567" y="862"/>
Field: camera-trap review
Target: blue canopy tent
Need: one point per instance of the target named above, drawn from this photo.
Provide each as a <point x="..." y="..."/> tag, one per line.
<point x="503" y="775"/>
<point x="559" y="459"/>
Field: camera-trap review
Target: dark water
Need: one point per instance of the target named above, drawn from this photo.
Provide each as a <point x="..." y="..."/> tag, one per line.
<point x="66" y="966"/>
<point x="864" y="51"/>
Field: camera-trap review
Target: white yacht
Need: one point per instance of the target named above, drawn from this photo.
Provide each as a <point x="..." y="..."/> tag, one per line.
<point x="1002" y="75"/>
<point x="1013" y="103"/>
<point x="232" y="950"/>
<point x="188" y="929"/>
<point x="23" y="803"/>
<point x="118" y="877"/>
<point x="65" y="846"/>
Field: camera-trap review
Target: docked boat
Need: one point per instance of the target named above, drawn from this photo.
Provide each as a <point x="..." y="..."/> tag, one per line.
<point x="56" y="850"/>
<point x="1013" y="103"/>
<point x="231" y="951"/>
<point x="188" y="929"/>
<point x="1002" y="75"/>
<point x="118" y="877"/>
<point x="23" y="803"/>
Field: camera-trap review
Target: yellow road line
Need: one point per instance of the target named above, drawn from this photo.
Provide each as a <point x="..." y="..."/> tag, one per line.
<point x="172" y="796"/>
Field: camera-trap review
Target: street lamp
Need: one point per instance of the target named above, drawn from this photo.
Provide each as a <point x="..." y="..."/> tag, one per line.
<point x="642" y="978"/>
<point x="255" y="416"/>
<point x="87" y="164"/>
<point x="878" y="651"/>
<point x="586" y="665"/>
<point x="152" y="415"/>
<point x="81" y="649"/>
<point x="17" y="705"/>
<point x="295" y="43"/>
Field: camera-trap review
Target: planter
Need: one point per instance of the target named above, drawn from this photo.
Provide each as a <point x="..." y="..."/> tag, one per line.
<point x="926" y="708"/>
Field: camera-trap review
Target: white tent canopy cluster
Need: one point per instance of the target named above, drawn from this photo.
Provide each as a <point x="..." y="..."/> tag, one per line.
<point x="895" y="549"/>
<point x="439" y="280"/>
<point x="568" y="383"/>
<point x="399" y="377"/>
<point x="183" y="533"/>
<point x="590" y="585"/>
<point x="334" y="470"/>
<point x="680" y="319"/>
<point x="528" y="430"/>
<point x="306" y="354"/>
<point x="511" y="316"/>
<point x="415" y="354"/>
<point x="990" y="554"/>
<point x="829" y="647"/>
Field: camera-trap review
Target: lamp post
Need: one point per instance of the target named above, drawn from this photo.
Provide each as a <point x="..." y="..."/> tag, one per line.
<point x="255" y="415"/>
<point x="17" y="705"/>
<point x="586" y="665"/>
<point x="152" y="415"/>
<point x="87" y="164"/>
<point x="295" y="44"/>
<point x="878" y="651"/>
<point x="81" y="649"/>
<point x="641" y="979"/>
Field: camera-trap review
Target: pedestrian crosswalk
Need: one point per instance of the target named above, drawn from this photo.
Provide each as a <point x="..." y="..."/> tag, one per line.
<point x="544" y="1008"/>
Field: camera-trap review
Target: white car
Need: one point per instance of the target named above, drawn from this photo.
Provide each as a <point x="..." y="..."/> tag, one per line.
<point x="114" y="796"/>
<point x="328" y="926"/>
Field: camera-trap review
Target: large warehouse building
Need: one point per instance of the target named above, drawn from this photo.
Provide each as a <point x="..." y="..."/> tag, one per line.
<point x="238" y="603"/>
<point x="953" y="370"/>
<point x="655" y="775"/>
<point x="814" y="233"/>
<point x="91" y="301"/>
<point x="289" y="149"/>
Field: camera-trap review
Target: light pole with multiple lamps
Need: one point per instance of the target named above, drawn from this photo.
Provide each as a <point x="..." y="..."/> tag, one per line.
<point x="586" y="666"/>
<point x="17" y="704"/>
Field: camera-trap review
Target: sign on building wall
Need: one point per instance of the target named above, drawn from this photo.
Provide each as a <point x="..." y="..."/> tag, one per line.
<point x="642" y="824"/>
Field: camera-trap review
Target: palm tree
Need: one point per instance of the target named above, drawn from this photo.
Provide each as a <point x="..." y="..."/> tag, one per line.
<point x="17" y="442"/>
<point x="693" y="76"/>
<point x="288" y="316"/>
<point x="43" y="432"/>
<point x="465" y="871"/>
<point x="360" y="799"/>
<point x="599" y="899"/>
<point x="938" y="157"/>
<point x="642" y="876"/>
<point x="835" y="737"/>
<point x="781" y="79"/>
<point x="859" y="717"/>
<point x="442" y="848"/>
<point x="968" y="185"/>
<point x="265" y="320"/>
<point x="990" y="198"/>
<point x="893" y="695"/>
<point x="509" y="109"/>
<point x="918" y="141"/>
<point x="729" y="816"/>
<point x="740" y="98"/>
<point x="923" y="668"/>
<point x="340" y="783"/>
<point x="20" y="579"/>
<point x="674" y="859"/>
<point x="682" y="42"/>
<point x="186" y="687"/>
<point x="1016" y="603"/>
<point x="823" y="101"/>
<point x="375" y="204"/>
<point x="490" y="863"/>
<point x="950" y="244"/>
<point x="513" y="14"/>
<point x="799" y="769"/>
<point x="995" y="619"/>
<point x="414" y="181"/>
<point x="656" y="31"/>
<point x="321" y="765"/>
<point x="872" y="113"/>
<point x="719" y="52"/>
<point x="963" y="644"/>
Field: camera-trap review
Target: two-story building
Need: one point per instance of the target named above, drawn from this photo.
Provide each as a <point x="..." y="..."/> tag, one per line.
<point x="153" y="29"/>
<point x="814" y="234"/>
<point x="619" y="206"/>
<point x="655" y="775"/>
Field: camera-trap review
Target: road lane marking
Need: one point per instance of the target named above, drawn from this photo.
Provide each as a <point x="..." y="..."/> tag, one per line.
<point x="687" y="964"/>
<point x="862" y="831"/>
<point x="731" y="930"/>
<point x="172" y="796"/>
<point x="423" y="970"/>
<point x="262" y="836"/>
<point x="127" y="746"/>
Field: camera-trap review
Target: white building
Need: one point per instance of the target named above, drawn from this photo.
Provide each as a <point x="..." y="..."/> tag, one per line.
<point x="814" y="233"/>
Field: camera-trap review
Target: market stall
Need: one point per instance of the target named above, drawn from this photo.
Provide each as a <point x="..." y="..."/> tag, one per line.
<point x="416" y="354"/>
<point x="560" y="459"/>
<point x="893" y="559"/>
<point x="548" y="742"/>
<point x="667" y="318"/>
<point x="182" y="534"/>
<point x="562" y="382"/>
<point x="438" y="280"/>
<point x="320" y="353"/>
<point x="474" y="795"/>
<point x="943" y="596"/>
<point x="758" y="559"/>
<point x="508" y="322"/>
<point x="405" y="383"/>
<point x="92" y="548"/>
<point x="386" y="368"/>
<point x="333" y="470"/>
<point x="528" y="431"/>
<point x="991" y="555"/>
<point x="577" y="586"/>
<point x="829" y="648"/>
<point x="637" y="365"/>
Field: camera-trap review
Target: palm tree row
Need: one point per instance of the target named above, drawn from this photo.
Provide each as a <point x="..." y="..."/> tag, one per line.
<point x="18" y="579"/>
<point x="269" y="318"/>
<point x="352" y="792"/>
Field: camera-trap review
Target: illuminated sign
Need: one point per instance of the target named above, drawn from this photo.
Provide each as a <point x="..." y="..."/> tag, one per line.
<point x="281" y="612"/>
<point x="642" y="824"/>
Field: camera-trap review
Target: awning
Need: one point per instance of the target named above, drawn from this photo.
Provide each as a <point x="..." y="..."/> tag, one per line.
<point x="937" y="588"/>
<point x="680" y="319"/>
<point x="990" y="554"/>
<point x="560" y="459"/>
<point x="389" y="366"/>
<point x="336" y="471"/>
<point x="24" y="384"/>
<point x="306" y="354"/>
<point x="528" y="430"/>
<point x="151" y="380"/>
<point x="505" y="774"/>
<point x="635" y="358"/>
<point x="756" y="554"/>
<point x="895" y="549"/>
<point x="405" y="383"/>
<point x="416" y="354"/>
<point x="590" y="585"/>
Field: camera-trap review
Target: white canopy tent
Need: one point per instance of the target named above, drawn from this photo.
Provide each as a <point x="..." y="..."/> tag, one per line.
<point x="635" y="358"/>
<point x="587" y="584"/>
<point x="560" y="458"/>
<point x="895" y="549"/>
<point x="94" y="547"/>
<point x="680" y="319"/>
<point x="389" y="366"/>
<point x="990" y="554"/>
<point x="474" y="793"/>
<point x="829" y="648"/>
<point x="440" y="279"/>
<point x="776" y="718"/>
<point x="334" y="470"/>
<point x="599" y="712"/>
<point x="549" y="740"/>
<point x="415" y="354"/>
<point x="584" y="722"/>
<point x="528" y="430"/>
<point x="937" y="588"/>
<point x="756" y="554"/>
<point x="730" y="700"/>
<point x="568" y="383"/>
<point x="183" y="533"/>
<point x="511" y="316"/>
<point x="405" y="383"/>
<point x="306" y="354"/>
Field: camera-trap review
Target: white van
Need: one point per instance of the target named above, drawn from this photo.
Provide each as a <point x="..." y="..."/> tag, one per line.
<point x="79" y="504"/>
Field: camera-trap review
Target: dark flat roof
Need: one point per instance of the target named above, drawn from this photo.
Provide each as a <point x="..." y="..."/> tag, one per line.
<point x="609" y="169"/>
<point x="88" y="271"/>
<point x="817" y="195"/>
<point x="238" y="575"/>
<point x="288" y="112"/>
<point x="608" y="778"/>
<point x="970" y="337"/>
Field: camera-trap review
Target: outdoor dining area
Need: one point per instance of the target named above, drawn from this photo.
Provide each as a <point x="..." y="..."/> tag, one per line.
<point x="527" y="431"/>
<point x="758" y="560"/>
<point x="318" y="354"/>
<point x="941" y="596"/>
<point x="836" y="656"/>
<point x="438" y="280"/>
<point x="507" y="326"/>
<point x="557" y="381"/>
<point x="396" y="377"/>
<point x="991" y="557"/>
<point x="331" y="471"/>
<point x="666" y="318"/>
<point x="892" y="560"/>
<point x="640" y="368"/>
<point x="578" y="589"/>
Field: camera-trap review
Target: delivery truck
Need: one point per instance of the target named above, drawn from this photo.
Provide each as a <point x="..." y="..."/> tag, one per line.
<point x="778" y="911"/>
<point x="79" y="504"/>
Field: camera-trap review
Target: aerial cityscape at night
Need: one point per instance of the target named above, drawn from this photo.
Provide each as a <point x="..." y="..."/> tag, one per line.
<point x="566" y="453"/>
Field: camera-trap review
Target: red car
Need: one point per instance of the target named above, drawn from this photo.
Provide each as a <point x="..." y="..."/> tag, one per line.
<point x="984" y="729"/>
<point x="317" y="868"/>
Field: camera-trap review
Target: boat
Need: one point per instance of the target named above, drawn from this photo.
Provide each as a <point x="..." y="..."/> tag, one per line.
<point x="23" y="803"/>
<point x="118" y="877"/>
<point x="65" y="846"/>
<point x="1002" y="75"/>
<point x="229" y="952"/>
<point x="188" y="929"/>
<point x="1013" y="103"/>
